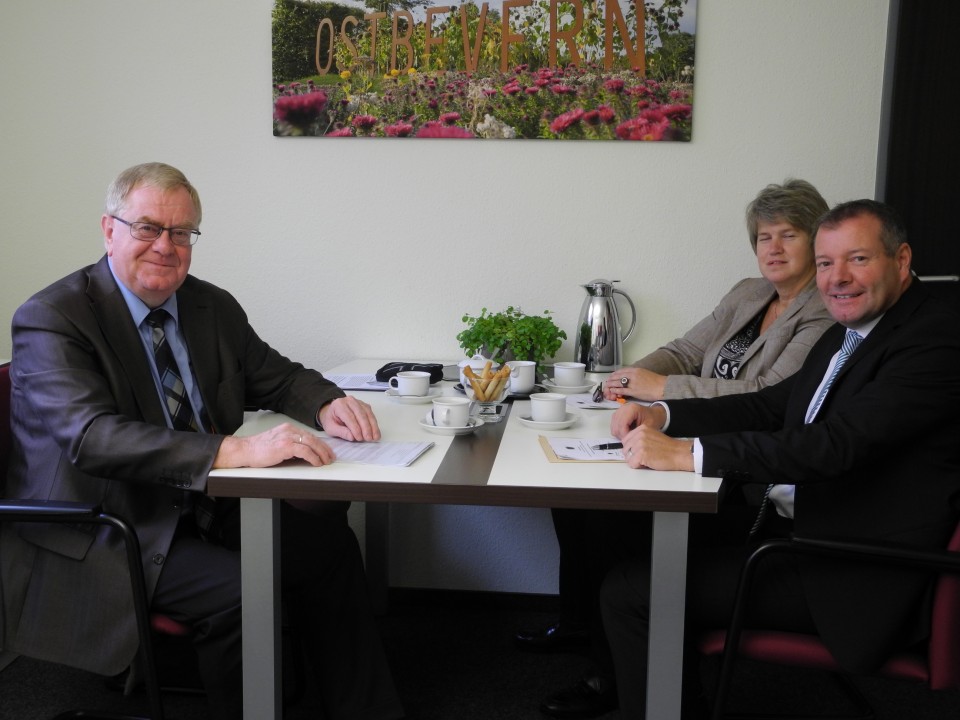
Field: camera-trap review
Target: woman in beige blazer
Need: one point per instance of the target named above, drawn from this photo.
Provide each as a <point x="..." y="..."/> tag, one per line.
<point x="762" y="329"/>
<point x="759" y="334"/>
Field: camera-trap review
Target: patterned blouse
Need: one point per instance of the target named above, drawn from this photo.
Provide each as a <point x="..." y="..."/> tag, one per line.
<point x="727" y="364"/>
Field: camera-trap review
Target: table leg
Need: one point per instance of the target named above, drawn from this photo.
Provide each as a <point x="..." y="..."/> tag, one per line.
<point x="668" y="580"/>
<point x="260" y="581"/>
<point x="377" y="545"/>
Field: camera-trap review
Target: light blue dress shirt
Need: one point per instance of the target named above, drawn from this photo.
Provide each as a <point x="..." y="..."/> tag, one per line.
<point x="139" y="312"/>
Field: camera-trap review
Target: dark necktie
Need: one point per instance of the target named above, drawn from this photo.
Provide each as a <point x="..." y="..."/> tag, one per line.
<point x="850" y="342"/>
<point x="182" y="417"/>
<point x="174" y="391"/>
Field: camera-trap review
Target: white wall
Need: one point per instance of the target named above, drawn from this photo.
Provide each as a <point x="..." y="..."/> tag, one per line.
<point x="345" y="248"/>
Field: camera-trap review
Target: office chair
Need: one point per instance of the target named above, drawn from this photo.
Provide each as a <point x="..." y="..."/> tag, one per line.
<point x="935" y="664"/>
<point x="162" y="625"/>
<point x="39" y="511"/>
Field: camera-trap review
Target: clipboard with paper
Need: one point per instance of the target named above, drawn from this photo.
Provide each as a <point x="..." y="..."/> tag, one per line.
<point x="567" y="449"/>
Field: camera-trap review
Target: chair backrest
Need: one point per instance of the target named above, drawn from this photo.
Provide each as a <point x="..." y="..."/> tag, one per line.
<point x="4" y="423"/>
<point x="945" y="627"/>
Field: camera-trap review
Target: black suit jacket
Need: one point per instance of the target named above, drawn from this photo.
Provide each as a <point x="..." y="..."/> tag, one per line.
<point x="88" y="426"/>
<point x="881" y="461"/>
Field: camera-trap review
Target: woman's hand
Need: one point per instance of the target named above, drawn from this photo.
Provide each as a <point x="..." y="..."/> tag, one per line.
<point x="640" y="384"/>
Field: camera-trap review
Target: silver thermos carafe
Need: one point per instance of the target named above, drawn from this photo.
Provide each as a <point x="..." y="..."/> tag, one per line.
<point x="599" y="343"/>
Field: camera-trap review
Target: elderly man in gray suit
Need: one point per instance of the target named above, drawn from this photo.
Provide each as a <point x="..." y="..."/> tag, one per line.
<point x="128" y="378"/>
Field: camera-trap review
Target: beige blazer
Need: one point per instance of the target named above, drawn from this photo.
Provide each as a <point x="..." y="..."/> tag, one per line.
<point x="775" y="355"/>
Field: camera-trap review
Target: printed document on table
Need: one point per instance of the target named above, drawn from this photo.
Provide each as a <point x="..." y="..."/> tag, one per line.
<point x="585" y="449"/>
<point x="393" y="454"/>
<point x="357" y="382"/>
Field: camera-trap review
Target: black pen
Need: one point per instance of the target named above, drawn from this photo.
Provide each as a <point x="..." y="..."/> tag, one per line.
<point x="609" y="446"/>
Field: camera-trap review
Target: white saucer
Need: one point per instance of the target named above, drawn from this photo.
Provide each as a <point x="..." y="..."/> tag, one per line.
<point x="414" y="399"/>
<point x="551" y="386"/>
<point x="472" y="424"/>
<point x="558" y="425"/>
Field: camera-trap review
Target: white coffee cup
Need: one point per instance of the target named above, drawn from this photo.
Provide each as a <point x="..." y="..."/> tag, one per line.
<point x="548" y="407"/>
<point x="452" y="411"/>
<point x="523" y="376"/>
<point x="411" y="382"/>
<point x="569" y="374"/>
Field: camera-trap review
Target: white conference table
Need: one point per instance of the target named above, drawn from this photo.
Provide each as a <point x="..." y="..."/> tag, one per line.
<point x="499" y="464"/>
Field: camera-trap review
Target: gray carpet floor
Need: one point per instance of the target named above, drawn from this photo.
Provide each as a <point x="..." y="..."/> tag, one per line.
<point x="454" y="659"/>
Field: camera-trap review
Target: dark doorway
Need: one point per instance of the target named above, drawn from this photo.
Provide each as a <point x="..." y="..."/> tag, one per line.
<point x="920" y="177"/>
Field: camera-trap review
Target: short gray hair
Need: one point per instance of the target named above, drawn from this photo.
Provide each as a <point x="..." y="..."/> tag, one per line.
<point x="796" y="202"/>
<point x="158" y="175"/>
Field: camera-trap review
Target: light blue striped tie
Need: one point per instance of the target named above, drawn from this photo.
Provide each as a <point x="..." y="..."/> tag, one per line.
<point x="850" y="342"/>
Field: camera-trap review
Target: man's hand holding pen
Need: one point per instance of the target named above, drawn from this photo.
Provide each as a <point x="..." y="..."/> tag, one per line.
<point x="644" y="444"/>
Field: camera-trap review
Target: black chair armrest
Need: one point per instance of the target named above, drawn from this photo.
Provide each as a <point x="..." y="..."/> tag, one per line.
<point x="860" y="550"/>
<point x="47" y="511"/>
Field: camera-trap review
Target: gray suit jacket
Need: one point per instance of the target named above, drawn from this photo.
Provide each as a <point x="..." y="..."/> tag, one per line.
<point x="775" y="355"/>
<point x="88" y="426"/>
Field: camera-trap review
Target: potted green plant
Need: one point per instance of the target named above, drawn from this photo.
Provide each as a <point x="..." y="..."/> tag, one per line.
<point x="511" y="334"/>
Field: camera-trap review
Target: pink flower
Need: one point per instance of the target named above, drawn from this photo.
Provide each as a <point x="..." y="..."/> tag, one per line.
<point x="566" y="120"/>
<point x="654" y="115"/>
<point x="532" y="90"/>
<point x="399" y="129"/>
<point x="301" y="111"/>
<point x="449" y="118"/>
<point x="639" y="128"/>
<point x="435" y="130"/>
<point x="614" y="85"/>
<point x="678" y="110"/>
<point x="341" y="132"/>
<point x="607" y="115"/>
<point x="591" y="117"/>
<point x="560" y="89"/>
<point x="511" y="88"/>
<point x="364" y="122"/>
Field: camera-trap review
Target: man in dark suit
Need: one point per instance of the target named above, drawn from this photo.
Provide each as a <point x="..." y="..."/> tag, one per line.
<point x="102" y="414"/>
<point x="861" y="442"/>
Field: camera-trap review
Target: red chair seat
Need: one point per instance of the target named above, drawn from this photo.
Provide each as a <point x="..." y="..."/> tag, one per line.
<point x="168" y="626"/>
<point x="807" y="651"/>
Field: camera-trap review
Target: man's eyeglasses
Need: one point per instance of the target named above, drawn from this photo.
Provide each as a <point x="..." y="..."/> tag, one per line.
<point x="148" y="232"/>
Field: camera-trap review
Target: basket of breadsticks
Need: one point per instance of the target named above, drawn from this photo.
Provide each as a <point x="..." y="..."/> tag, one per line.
<point x="488" y="387"/>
